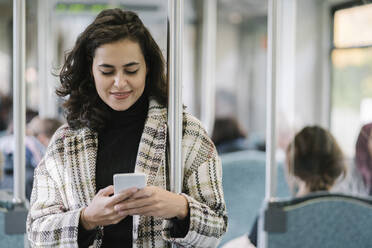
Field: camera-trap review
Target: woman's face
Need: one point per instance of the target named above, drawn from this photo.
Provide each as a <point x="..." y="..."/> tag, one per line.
<point x="119" y="71"/>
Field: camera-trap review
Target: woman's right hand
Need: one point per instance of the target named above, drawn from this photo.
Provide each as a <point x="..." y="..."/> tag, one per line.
<point x="101" y="212"/>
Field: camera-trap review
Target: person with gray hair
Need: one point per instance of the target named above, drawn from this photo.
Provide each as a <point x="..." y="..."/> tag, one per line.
<point x="38" y="134"/>
<point x="43" y="128"/>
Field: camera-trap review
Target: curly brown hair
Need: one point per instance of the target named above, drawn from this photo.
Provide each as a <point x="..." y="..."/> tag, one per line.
<point x="83" y="107"/>
<point x="315" y="157"/>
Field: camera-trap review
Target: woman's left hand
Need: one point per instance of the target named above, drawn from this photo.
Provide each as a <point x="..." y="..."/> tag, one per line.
<point x="154" y="201"/>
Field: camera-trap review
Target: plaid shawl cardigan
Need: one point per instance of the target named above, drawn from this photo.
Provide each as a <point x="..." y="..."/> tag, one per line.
<point x="65" y="183"/>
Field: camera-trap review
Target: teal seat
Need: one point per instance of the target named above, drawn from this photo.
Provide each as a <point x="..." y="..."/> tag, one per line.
<point x="8" y="240"/>
<point x="320" y="220"/>
<point x="13" y="241"/>
<point x="243" y="181"/>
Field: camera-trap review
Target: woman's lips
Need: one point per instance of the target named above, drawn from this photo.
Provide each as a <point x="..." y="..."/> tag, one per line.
<point x="121" y="95"/>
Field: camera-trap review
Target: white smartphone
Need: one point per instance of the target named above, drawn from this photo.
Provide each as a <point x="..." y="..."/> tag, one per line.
<point x="123" y="181"/>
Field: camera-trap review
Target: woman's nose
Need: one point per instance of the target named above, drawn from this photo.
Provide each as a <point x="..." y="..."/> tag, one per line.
<point x="120" y="80"/>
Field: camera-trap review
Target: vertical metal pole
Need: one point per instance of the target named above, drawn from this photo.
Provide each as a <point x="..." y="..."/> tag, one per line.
<point x="43" y="51"/>
<point x="271" y="99"/>
<point x="208" y="64"/>
<point x="46" y="52"/>
<point x="19" y="107"/>
<point x="326" y="87"/>
<point x="175" y="32"/>
<point x="271" y="81"/>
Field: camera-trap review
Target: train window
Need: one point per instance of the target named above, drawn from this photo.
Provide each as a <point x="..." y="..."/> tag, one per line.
<point x="351" y="60"/>
<point x="352" y="26"/>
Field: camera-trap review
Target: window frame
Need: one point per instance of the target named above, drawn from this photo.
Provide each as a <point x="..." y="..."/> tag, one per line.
<point x="332" y="48"/>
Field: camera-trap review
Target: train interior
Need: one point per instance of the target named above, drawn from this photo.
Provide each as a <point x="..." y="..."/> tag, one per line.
<point x="323" y="75"/>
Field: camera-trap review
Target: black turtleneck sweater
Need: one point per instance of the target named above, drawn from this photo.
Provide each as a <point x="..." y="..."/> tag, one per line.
<point x="117" y="152"/>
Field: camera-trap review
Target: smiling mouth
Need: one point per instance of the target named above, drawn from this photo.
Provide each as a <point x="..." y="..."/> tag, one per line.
<point x="121" y="95"/>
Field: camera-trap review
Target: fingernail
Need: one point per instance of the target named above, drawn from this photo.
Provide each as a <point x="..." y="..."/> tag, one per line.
<point x="116" y="208"/>
<point x="134" y="190"/>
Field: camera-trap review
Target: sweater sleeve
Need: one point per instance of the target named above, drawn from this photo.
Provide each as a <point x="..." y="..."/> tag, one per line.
<point x="55" y="207"/>
<point x="49" y="223"/>
<point x="208" y="218"/>
<point x="202" y="187"/>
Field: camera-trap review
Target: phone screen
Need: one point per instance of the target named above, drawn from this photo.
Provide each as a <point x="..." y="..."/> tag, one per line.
<point x="125" y="181"/>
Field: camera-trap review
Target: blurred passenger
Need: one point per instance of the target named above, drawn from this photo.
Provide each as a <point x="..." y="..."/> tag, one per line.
<point x="43" y="128"/>
<point x="228" y="136"/>
<point x="35" y="150"/>
<point x="314" y="163"/>
<point x="32" y="159"/>
<point x="1" y="166"/>
<point x="30" y="114"/>
<point x="363" y="155"/>
<point x="115" y="88"/>
<point x="7" y="143"/>
<point x="39" y="132"/>
<point x="5" y="113"/>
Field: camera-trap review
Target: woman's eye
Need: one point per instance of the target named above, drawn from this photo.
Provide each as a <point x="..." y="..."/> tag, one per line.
<point x="132" y="72"/>
<point x="106" y="72"/>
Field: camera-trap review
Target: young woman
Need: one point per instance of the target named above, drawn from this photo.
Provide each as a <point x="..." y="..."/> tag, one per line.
<point x="117" y="123"/>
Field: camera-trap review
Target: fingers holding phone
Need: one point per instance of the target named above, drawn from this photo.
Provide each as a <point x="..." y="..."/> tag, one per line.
<point x="154" y="201"/>
<point x="101" y="211"/>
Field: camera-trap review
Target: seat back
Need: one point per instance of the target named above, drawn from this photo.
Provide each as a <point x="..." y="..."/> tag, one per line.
<point x="319" y="220"/>
<point x="243" y="181"/>
<point x="13" y="240"/>
<point x="9" y="223"/>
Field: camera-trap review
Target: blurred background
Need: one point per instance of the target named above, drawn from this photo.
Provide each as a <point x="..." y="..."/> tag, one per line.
<point x="325" y="62"/>
<point x="324" y="65"/>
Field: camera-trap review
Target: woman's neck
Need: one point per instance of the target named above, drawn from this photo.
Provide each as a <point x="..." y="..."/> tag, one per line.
<point x="132" y="116"/>
<point x="302" y="189"/>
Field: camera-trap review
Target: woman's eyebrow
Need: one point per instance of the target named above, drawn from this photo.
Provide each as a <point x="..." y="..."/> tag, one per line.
<point x="106" y="65"/>
<point x="131" y="64"/>
<point x="126" y="65"/>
